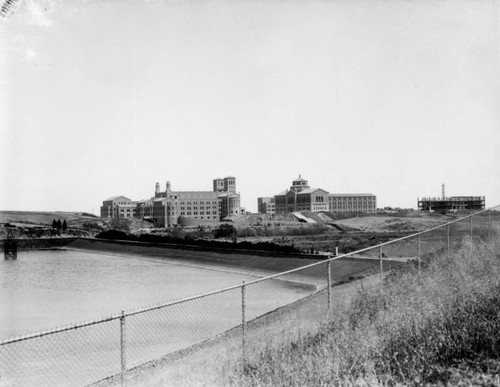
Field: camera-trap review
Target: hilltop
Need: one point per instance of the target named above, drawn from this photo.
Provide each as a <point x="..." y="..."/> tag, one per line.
<point x="38" y="224"/>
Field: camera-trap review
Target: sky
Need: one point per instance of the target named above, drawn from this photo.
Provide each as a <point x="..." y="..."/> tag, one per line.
<point x="100" y="98"/>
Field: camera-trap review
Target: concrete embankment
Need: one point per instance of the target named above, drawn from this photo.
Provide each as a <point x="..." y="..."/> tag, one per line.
<point x="41" y="243"/>
<point x="245" y="262"/>
<point x="342" y="269"/>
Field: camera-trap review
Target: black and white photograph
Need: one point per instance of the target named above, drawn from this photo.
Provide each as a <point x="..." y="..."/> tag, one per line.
<point x="249" y="193"/>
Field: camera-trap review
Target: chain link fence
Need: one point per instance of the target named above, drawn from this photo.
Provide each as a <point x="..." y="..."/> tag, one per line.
<point x="89" y="352"/>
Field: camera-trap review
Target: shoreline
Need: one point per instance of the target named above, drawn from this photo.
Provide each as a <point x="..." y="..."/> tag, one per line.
<point x="258" y="274"/>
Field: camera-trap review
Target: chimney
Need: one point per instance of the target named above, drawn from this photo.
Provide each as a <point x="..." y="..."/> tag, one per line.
<point x="442" y="188"/>
<point x="157" y="189"/>
<point x="168" y="186"/>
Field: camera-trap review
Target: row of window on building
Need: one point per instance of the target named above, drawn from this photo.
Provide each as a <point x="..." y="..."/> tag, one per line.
<point x="300" y="197"/>
<point x="168" y="208"/>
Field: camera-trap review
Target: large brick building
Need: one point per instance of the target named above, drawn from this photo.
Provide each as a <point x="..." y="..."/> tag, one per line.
<point x="301" y="197"/>
<point x="118" y="207"/>
<point x="170" y="208"/>
<point x="266" y="205"/>
<point x="352" y="203"/>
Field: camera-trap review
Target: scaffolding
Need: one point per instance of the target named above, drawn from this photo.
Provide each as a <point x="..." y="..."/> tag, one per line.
<point x="452" y="203"/>
<point x="7" y="7"/>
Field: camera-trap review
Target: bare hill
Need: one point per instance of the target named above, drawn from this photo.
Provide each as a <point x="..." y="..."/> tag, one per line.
<point x="383" y="223"/>
<point x="45" y="218"/>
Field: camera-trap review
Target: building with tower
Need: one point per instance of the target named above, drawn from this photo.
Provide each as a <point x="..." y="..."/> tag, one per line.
<point x="301" y="197"/>
<point x="185" y="208"/>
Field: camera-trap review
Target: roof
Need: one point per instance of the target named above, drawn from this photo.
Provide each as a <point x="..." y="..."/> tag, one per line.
<point x="352" y="194"/>
<point x="310" y="191"/>
<point x="116" y="197"/>
<point x="299" y="179"/>
<point x="225" y="194"/>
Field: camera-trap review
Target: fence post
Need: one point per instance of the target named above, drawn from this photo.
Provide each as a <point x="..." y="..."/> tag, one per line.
<point x="418" y="251"/>
<point x="471" y="228"/>
<point x="448" y="237"/>
<point x="489" y="224"/>
<point x="243" y="323"/>
<point x="329" y="280"/>
<point x="380" y="260"/>
<point x="122" y="347"/>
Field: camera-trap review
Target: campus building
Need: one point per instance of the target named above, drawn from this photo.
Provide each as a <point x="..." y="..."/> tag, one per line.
<point x="301" y="197"/>
<point x="182" y="207"/>
<point x="352" y="203"/>
<point x="266" y="205"/>
<point x="118" y="207"/>
<point x="186" y="208"/>
<point x="170" y="208"/>
<point x="452" y="203"/>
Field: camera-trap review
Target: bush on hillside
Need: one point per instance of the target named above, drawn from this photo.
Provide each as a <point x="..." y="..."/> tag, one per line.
<point x="224" y="231"/>
<point x="91" y="215"/>
<point x="435" y="327"/>
<point x="116" y="235"/>
<point x="189" y="240"/>
<point x="119" y="224"/>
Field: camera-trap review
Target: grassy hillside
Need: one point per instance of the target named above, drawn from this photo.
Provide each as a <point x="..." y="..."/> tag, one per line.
<point x="37" y="224"/>
<point x="74" y="219"/>
<point x="437" y="327"/>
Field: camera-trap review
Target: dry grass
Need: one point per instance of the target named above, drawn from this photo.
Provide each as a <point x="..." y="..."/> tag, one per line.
<point x="437" y="327"/>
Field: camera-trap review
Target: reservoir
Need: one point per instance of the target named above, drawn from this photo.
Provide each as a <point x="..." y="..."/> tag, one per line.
<point x="47" y="289"/>
<point x="51" y="288"/>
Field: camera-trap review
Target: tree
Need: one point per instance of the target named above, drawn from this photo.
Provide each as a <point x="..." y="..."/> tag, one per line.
<point x="58" y="224"/>
<point x="54" y="224"/>
<point x="64" y="225"/>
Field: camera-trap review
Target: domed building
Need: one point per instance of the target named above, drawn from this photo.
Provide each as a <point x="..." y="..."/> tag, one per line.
<point x="301" y="197"/>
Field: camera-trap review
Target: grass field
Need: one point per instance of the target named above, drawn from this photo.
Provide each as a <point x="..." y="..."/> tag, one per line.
<point x="437" y="327"/>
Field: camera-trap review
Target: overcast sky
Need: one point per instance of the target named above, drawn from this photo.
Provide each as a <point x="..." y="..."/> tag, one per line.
<point x="107" y="97"/>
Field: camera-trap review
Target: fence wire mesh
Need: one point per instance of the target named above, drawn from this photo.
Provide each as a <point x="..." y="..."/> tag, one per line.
<point x="72" y="357"/>
<point x="152" y="334"/>
<point x="86" y="353"/>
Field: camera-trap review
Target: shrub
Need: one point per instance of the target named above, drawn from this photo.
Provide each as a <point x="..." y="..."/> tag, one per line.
<point x="224" y="231"/>
<point x="115" y="234"/>
<point x="120" y="224"/>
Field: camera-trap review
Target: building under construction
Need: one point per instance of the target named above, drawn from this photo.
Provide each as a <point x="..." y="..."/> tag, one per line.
<point x="452" y="203"/>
